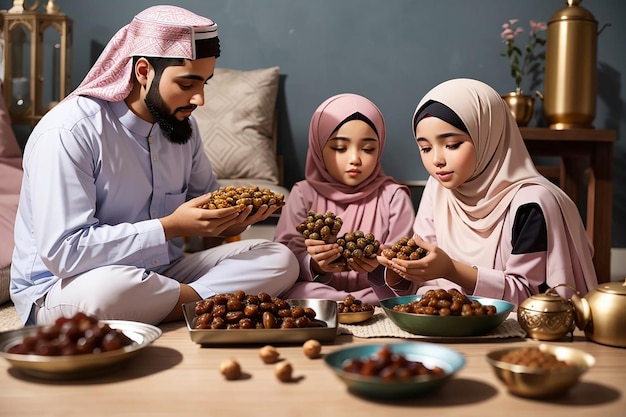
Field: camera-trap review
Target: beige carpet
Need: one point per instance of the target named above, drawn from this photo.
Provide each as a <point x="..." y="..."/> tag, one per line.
<point x="8" y="317"/>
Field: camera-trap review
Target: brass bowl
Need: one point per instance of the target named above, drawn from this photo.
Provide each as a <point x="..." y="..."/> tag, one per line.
<point x="356" y="317"/>
<point x="532" y="382"/>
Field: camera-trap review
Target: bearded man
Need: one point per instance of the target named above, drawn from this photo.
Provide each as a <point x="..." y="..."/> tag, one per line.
<point x="114" y="177"/>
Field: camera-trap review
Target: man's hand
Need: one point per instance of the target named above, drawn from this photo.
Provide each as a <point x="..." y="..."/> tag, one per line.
<point x="247" y="218"/>
<point x="189" y="219"/>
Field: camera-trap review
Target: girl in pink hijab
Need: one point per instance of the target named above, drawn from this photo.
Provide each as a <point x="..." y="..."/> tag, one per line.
<point x="344" y="176"/>
<point x="493" y="225"/>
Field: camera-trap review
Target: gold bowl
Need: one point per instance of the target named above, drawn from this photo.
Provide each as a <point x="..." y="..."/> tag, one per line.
<point x="534" y="382"/>
<point x="356" y="317"/>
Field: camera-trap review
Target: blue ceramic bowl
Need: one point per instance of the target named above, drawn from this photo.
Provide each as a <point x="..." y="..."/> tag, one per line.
<point x="446" y="326"/>
<point x="429" y="354"/>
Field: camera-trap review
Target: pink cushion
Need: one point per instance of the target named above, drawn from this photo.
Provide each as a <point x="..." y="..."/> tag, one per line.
<point x="9" y="148"/>
<point x="9" y="197"/>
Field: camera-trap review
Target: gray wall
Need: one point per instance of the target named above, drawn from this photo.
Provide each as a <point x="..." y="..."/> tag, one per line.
<point x="392" y="51"/>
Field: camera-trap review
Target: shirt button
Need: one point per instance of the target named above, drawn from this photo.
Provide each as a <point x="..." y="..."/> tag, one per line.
<point x="155" y="262"/>
<point x="154" y="158"/>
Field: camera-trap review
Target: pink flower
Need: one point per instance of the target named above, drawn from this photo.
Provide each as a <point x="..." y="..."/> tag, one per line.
<point x="536" y="27"/>
<point x="521" y="64"/>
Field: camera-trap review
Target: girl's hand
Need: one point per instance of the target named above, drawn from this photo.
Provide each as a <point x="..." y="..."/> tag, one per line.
<point x="436" y="264"/>
<point x="324" y="255"/>
<point x="363" y="265"/>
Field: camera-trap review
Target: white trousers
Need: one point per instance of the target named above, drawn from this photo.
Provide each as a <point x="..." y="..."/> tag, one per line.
<point x="129" y="293"/>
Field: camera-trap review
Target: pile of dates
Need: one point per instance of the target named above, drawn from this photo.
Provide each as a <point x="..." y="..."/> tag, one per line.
<point x="358" y="245"/>
<point x="326" y="227"/>
<point x="242" y="197"/>
<point x="77" y="335"/>
<point x="535" y="358"/>
<point x="320" y="226"/>
<point x="406" y="249"/>
<point x="351" y="304"/>
<point x="239" y="310"/>
<point x="442" y="302"/>
<point x="389" y="366"/>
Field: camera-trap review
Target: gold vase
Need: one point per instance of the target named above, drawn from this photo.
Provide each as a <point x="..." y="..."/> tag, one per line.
<point x="570" y="82"/>
<point x="521" y="106"/>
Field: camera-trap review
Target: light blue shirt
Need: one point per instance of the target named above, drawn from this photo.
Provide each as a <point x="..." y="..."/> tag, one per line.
<point x="96" y="180"/>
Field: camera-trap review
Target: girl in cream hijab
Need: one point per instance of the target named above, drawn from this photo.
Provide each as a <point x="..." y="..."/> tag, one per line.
<point x="493" y="225"/>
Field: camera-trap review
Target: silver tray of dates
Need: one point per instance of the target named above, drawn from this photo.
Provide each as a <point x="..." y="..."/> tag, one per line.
<point x="77" y="366"/>
<point x="324" y="330"/>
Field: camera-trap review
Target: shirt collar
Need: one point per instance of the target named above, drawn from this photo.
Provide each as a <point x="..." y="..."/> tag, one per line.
<point x="130" y="120"/>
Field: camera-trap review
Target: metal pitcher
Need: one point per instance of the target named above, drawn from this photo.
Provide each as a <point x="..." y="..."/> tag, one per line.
<point x="571" y="68"/>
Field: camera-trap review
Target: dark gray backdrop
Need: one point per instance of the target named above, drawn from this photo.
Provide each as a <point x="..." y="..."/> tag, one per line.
<point x="391" y="51"/>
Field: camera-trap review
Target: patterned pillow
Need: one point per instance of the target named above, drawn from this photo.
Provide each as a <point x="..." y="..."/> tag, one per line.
<point x="236" y="123"/>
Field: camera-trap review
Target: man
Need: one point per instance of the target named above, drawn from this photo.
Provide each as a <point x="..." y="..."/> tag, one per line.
<point x="113" y="178"/>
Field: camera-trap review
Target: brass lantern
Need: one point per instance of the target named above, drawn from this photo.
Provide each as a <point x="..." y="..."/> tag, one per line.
<point x="37" y="58"/>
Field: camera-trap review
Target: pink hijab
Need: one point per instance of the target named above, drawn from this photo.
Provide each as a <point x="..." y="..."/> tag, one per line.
<point x="476" y="209"/>
<point x="361" y="202"/>
<point x="159" y="31"/>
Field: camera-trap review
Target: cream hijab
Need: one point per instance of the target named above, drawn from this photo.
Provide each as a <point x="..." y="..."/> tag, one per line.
<point x="477" y="208"/>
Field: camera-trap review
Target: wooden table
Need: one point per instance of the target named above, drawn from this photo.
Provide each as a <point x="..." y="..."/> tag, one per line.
<point x="176" y="377"/>
<point x="586" y="157"/>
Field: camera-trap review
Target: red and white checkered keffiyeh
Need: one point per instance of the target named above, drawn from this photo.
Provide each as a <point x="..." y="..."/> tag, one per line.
<point x="159" y="31"/>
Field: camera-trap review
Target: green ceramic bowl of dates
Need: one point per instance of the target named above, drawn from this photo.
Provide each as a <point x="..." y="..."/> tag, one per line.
<point x="450" y="325"/>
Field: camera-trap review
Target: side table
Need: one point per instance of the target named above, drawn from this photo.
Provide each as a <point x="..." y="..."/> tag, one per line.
<point x="586" y="157"/>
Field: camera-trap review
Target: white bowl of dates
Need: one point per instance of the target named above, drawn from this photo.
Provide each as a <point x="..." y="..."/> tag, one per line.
<point x="75" y="347"/>
<point x="396" y="370"/>
<point x="240" y="318"/>
<point x="352" y="310"/>
<point x="539" y="371"/>
<point x="446" y="313"/>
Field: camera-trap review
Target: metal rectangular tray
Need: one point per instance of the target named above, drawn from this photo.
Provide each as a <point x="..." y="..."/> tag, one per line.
<point x="326" y="311"/>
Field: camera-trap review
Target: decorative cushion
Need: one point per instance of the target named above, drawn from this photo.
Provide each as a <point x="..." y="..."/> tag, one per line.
<point x="236" y="123"/>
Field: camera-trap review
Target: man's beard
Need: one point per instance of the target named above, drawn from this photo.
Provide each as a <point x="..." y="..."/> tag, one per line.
<point x="176" y="131"/>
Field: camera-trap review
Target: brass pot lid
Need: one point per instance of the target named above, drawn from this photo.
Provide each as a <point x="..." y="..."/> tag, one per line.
<point x="615" y="287"/>
<point x="573" y="11"/>
<point x="548" y="302"/>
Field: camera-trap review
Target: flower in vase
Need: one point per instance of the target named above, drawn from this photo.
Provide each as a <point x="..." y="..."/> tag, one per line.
<point x="530" y="61"/>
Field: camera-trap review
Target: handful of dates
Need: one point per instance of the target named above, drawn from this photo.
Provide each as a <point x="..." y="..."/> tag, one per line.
<point x="320" y="226"/>
<point x="406" y="249"/>
<point x="326" y="227"/>
<point x="242" y="197"/>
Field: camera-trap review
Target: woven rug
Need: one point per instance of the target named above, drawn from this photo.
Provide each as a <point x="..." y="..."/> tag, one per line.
<point x="379" y="325"/>
<point x="8" y="317"/>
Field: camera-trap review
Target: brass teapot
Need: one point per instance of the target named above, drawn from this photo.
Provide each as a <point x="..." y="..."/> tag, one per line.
<point x="601" y="314"/>
<point x="546" y="316"/>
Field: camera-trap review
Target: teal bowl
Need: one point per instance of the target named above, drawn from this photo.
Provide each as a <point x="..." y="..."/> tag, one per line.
<point x="429" y="354"/>
<point x="446" y="326"/>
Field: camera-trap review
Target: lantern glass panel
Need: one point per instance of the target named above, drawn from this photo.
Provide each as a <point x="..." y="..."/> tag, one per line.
<point x="51" y="68"/>
<point x="20" y="68"/>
